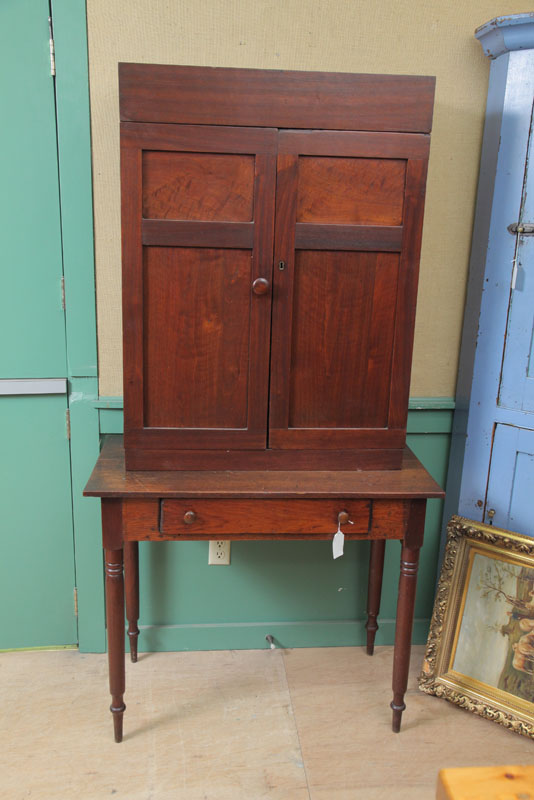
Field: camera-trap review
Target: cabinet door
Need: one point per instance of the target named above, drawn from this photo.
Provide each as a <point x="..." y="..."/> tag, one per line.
<point x="516" y="390"/>
<point x="198" y="218"/>
<point x="511" y="480"/>
<point x="349" y="215"/>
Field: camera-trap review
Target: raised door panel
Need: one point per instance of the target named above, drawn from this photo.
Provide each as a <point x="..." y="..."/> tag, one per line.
<point x="198" y="379"/>
<point x="349" y="219"/>
<point x="511" y="480"/>
<point x="198" y="219"/>
<point x="342" y="338"/>
<point x="516" y="389"/>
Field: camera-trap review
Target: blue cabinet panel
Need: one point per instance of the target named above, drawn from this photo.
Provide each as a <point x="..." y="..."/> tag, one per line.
<point x="511" y="481"/>
<point x="517" y="378"/>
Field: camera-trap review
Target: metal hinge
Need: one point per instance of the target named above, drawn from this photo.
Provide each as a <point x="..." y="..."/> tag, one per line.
<point x="63" y="304"/>
<point x="523" y="228"/>
<point x="67" y="422"/>
<point x="75" y="601"/>
<point x="52" y="48"/>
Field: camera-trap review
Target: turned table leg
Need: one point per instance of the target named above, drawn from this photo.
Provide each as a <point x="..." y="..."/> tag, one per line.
<point x="131" y="576"/>
<point x="113" y="557"/>
<point x="115" y="626"/>
<point x="410" y="549"/>
<point x="376" y="571"/>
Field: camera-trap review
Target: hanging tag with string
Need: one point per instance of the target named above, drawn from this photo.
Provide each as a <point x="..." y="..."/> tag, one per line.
<point x="338" y="541"/>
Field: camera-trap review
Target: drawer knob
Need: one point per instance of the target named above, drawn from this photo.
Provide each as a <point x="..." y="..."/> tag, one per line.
<point x="343" y="517"/>
<point x="189" y="517"/>
<point x="261" y="286"/>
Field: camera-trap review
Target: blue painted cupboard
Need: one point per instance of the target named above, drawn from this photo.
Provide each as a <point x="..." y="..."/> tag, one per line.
<point x="491" y="472"/>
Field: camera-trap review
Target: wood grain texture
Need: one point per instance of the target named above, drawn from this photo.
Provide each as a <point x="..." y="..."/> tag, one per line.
<point x="214" y="517"/>
<point x="403" y="630"/>
<point x="362" y="144"/>
<point x="112" y="524"/>
<point x="341" y="350"/>
<point x="374" y="591"/>
<point x="251" y="519"/>
<point x="285" y="99"/>
<point x="251" y="455"/>
<point x="407" y="290"/>
<point x="505" y="782"/>
<point x="196" y="302"/>
<point x="336" y="309"/>
<point x="115" y="631"/>
<point x="335" y="363"/>
<point x="356" y="191"/>
<point x="309" y="236"/>
<point x="188" y="303"/>
<point x="171" y="233"/>
<point x="198" y="186"/>
<point x="261" y="305"/>
<point x="283" y="281"/>
<point x="388" y="519"/>
<point x="380" y="342"/>
<point x="131" y="591"/>
<point x="132" y="285"/>
<point x="141" y="519"/>
<point x="111" y="479"/>
<point x="199" y="138"/>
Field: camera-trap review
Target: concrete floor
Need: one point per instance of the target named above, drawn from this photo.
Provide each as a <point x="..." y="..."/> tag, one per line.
<point x="245" y="725"/>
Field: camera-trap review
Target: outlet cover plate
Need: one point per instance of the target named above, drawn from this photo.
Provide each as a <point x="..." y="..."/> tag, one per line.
<point x="219" y="552"/>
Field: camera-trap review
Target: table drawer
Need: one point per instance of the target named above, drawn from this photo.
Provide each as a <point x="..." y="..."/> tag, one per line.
<point x="170" y="519"/>
<point x="214" y="517"/>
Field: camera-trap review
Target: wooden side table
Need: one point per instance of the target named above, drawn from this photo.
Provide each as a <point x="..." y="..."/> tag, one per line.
<point x="201" y="505"/>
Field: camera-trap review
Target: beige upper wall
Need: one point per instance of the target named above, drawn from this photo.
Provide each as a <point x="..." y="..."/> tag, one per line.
<point x="427" y="37"/>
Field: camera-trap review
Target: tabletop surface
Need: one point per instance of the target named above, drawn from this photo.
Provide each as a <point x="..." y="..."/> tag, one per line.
<point x="111" y="479"/>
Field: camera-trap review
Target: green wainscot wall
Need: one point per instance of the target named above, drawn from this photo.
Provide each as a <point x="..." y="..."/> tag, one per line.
<point x="294" y="591"/>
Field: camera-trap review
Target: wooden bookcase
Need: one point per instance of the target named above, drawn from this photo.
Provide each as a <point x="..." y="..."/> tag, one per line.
<point x="271" y="225"/>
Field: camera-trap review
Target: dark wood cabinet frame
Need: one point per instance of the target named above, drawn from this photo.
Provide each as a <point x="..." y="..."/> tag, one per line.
<point x="296" y="199"/>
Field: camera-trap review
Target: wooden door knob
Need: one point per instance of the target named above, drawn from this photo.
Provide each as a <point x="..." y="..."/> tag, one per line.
<point x="260" y="286"/>
<point x="343" y="517"/>
<point x="189" y="517"/>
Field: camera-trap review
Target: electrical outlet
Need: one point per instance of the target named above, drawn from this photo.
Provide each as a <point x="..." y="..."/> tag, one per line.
<point x="219" y="552"/>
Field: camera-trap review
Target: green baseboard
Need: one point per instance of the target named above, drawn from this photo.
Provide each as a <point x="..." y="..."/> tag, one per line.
<point x="251" y="635"/>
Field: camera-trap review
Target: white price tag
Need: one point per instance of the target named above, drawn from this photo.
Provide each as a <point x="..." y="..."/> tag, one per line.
<point x="338" y="542"/>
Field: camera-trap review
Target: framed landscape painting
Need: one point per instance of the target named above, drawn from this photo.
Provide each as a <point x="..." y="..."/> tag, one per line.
<point x="480" y="651"/>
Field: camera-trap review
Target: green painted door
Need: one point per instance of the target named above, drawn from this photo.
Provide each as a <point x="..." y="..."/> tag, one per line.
<point x="37" y="564"/>
<point x="31" y="317"/>
<point x="37" y="556"/>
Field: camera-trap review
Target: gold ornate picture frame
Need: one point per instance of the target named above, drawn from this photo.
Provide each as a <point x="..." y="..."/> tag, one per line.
<point x="480" y="651"/>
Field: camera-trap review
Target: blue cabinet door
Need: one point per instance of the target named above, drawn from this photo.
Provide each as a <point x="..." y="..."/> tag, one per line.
<point x="516" y="389"/>
<point x="511" y="480"/>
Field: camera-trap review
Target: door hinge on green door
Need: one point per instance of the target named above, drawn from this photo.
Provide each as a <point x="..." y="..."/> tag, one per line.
<point x="52" y="49"/>
<point x="75" y="601"/>
<point x="67" y="423"/>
